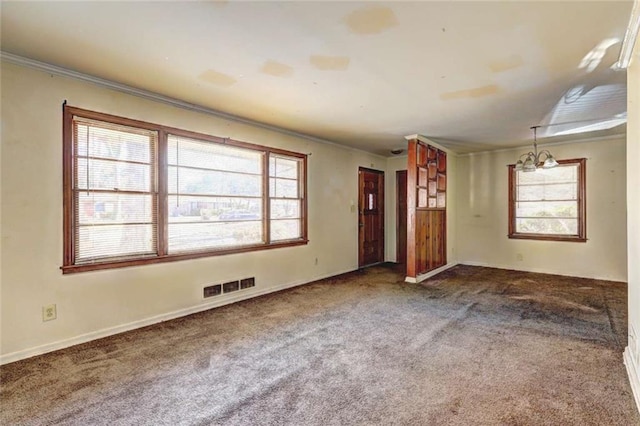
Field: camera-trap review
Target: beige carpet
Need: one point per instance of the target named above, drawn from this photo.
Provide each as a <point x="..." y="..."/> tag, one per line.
<point x="473" y="346"/>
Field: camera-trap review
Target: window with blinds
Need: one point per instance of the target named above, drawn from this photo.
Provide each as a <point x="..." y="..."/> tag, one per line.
<point x="549" y="203"/>
<point x="285" y="197"/>
<point x="215" y="195"/>
<point x="114" y="191"/>
<point x="137" y="193"/>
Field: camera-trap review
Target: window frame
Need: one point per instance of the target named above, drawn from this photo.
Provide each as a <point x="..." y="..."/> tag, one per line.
<point x="581" y="237"/>
<point x="160" y="166"/>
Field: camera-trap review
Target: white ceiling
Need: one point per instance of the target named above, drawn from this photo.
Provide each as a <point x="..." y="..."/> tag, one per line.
<point x="471" y="75"/>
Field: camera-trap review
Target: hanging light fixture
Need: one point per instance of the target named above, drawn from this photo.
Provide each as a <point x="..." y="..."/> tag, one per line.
<point x="533" y="159"/>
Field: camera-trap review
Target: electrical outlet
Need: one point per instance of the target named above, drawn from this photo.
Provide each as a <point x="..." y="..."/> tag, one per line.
<point x="519" y="256"/>
<point x="49" y="312"/>
<point x="316" y="260"/>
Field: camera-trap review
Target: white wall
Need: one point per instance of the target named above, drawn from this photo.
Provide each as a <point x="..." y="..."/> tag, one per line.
<point x="483" y="215"/>
<point x="632" y="353"/>
<point x="93" y="304"/>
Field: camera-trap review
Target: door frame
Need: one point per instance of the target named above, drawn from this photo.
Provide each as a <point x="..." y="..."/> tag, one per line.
<point x="381" y="207"/>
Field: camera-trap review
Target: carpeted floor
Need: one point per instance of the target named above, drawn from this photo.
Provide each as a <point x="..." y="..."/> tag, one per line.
<point x="472" y="346"/>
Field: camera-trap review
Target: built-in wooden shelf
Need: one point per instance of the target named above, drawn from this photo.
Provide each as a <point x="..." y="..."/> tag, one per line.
<point x="427" y="198"/>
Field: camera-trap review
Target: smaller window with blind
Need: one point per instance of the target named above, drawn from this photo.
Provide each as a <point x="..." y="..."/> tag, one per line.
<point x="114" y="191"/>
<point x="285" y="197"/>
<point x="548" y="204"/>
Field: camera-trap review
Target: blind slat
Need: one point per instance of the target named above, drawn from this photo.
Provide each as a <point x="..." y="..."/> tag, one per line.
<point x="109" y="224"/>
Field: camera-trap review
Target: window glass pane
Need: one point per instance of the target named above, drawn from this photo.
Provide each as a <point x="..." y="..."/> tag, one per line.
<point x="208" y="155"/>
<point x="547" y="209"/>
<point x="283" y="167"/>
<point x="564" y="191"/>
<point x="560" y="174"/>
<point x="547" y="201"/>
<point x="547" y="226"/>
<point x="193" y="208"/>
<point x="195" y="181"/>
<point x="114" y="241"/>
<point x="105" y="174"/>
<point x="284" y="209"/>
<point x="283" y="188"/>
<point x="114" y="208"/>
<point x="212" y="235"/>
<point x="115" y="142"/>
<point x="285" y="230"/>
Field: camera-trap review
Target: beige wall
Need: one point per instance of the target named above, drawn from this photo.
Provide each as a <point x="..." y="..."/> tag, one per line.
<point x="632" y="357"/>
<point x="482" y="215"/>
<point x="93" y="304"/>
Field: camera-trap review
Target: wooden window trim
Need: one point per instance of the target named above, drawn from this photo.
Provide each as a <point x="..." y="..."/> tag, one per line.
<point x="581" y="237"/>
<point x="161" y="167"/>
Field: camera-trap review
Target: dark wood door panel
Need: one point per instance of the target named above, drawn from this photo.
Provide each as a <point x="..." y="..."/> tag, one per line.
<point x="370" y="217"/>
<point x="401" y="217"/>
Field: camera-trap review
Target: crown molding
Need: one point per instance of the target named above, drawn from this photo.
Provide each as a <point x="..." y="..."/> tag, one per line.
<point x="548" y="144"/>
<point x="431" y="142"/>
<point x="156" y="97"/>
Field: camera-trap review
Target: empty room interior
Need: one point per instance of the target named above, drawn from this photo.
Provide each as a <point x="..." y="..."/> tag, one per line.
<point x="321" y="212"/>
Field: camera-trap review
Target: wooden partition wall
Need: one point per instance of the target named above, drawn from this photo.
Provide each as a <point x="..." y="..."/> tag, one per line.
<point x="426" y="208"/>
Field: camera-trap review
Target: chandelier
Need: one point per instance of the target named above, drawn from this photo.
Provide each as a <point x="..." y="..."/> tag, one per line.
<point x="533" y="160"/>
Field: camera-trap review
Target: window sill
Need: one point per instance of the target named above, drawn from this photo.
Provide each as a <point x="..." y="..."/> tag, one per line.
<point x="114" y="264"/>
<point x="549" y="237"/>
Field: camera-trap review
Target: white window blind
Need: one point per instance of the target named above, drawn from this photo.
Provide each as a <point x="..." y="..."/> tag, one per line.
<point x="115" y="191"/>
<point x="285" y="197"/>
<point x="547" y="201"/>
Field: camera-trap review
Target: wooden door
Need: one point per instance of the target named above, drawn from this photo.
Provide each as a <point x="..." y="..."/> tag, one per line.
<point x="401" y="217"/>
<point x="370" y="217"/>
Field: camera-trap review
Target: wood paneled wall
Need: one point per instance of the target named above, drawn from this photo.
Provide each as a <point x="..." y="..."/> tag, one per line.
<point x="426" y="208"/>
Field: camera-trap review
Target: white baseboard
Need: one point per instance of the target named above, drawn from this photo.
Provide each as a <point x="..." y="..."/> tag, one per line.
<point x="633" y="372"/>
<point x="536" y="270"/>
<point x="110" y="331"/>
<point x="430" y="274"/>
<point x="471" y="263"/>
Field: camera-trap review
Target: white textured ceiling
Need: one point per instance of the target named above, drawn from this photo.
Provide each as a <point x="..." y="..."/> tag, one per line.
<point x="471" y="75"/>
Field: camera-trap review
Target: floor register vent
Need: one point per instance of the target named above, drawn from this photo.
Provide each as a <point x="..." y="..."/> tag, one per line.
<point x="228" y="287"/>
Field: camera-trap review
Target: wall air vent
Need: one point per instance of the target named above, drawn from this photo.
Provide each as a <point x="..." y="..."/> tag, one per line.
<point x="247" y="283"/>
<point x="212" y="290"/>
<point x="231" y="286"/>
